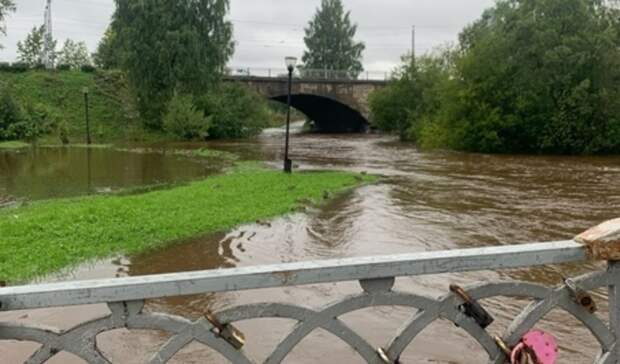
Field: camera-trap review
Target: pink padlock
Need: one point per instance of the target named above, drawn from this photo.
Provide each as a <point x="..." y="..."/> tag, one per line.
<point x="540" y="345"/>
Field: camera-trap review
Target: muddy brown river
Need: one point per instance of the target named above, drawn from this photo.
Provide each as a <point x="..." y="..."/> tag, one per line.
<point x="427" y="201"/>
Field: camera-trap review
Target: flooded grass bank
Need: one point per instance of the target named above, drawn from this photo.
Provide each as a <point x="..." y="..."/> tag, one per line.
<point x="13" y="145"/>
<point x="50" y="235"/>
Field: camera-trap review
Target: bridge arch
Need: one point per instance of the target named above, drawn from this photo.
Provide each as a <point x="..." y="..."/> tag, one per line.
<point x="335" y="106"/>
<point x="329" y="115"/>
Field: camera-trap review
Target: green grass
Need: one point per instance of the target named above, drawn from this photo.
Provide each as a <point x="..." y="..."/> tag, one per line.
<point x="48" y="236"/>
<point x="13" y="145"/>
<point x="111" y="110"/>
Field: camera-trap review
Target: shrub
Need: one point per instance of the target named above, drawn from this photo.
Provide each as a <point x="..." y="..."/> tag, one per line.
<point x="33" y="122"/>
<point x="19" y="67"/>
<point x="88" y="68"/>
<point x="64" y="67"/>
<point x="234" y="112"/>
<point x="184" y="120"/>
<point x="5" y="66"/>
<point x="10" y="114"/>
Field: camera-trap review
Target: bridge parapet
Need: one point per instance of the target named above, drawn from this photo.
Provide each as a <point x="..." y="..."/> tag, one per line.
<point x="310" y="74"/>
<point x="126" y="297"/>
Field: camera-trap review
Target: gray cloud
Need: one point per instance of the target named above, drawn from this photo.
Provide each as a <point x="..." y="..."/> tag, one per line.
<point x="268" y="30"/>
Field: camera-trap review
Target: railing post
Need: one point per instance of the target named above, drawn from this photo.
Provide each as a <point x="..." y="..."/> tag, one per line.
<point x="603" y="243"/>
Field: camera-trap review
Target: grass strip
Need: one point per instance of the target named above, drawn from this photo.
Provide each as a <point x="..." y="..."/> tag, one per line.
<point x="48" y="236"/>
<point x="13" y="145"/>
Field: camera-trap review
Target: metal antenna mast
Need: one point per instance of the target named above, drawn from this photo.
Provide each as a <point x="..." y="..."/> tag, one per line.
<point x="47" y="56"/>
<point x="413" y="44"/>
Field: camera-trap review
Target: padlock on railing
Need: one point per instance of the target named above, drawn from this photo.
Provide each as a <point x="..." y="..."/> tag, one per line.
<point x="472" y="308"/>
<point x="580" y="295"/>
<point x="385" y="358"/>
<point x="536" y="347"/>
<point x="226" y="331"/>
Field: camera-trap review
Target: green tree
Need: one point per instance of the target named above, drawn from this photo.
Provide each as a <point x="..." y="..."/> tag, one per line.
<point x="74" y="54"/>
<point x="171" y="45"/>
<point x="234" y="111"/>
<point x="30" y="51"/>
<point x="541" y="76"/>
<point x="413" y="95"/>
<point x="184" y="120"/>
<point x="10" y="114"/>
<point x="108" y="55"/>
<point x="6" y="6"/>
<point x="330" y="41"/>
<point x="530" y="76"/>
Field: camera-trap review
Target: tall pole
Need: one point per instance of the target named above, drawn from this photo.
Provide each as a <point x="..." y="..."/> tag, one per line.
<point x="88" y="140"/>
<point x="413" y="44"/>
<point x="47" y="56"/>
<point x="288" y="164"/>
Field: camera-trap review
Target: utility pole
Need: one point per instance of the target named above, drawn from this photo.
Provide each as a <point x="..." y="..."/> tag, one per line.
<point x="413" y="44"/>
<point x="48" y="56"/>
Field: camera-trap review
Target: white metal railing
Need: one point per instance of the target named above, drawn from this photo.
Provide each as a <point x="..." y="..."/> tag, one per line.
<point x="310" y="74"/>
<point x="125" y="298"/>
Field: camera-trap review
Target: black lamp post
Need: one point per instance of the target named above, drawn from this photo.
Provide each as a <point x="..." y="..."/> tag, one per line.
<point x="85" y="91"/>
<point x="290" y="65"/>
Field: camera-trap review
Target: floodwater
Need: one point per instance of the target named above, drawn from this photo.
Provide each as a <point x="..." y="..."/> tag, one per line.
<point x="53" y="172"/>
<point x="427" y="201"/>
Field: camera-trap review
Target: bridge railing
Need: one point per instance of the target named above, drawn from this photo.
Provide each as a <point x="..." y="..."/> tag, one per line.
<point x="310" y="74"/>
<point x="126" y="298"/>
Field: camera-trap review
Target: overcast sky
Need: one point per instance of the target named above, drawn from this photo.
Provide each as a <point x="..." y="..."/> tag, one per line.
<point x="268" y="30"/>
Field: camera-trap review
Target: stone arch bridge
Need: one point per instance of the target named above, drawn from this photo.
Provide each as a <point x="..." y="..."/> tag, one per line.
<point x="335" y="106"/>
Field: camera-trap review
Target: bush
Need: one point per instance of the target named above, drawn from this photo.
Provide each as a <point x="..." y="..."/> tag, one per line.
<point x="5" y="66"/>
<point x="234" y="112"/>
<point x="10" y="114"/>
<point x="64" y="67"/>
<point x="19" y="67"/>
<point x="390" y="107"/>
<point x="87" y="68"/>
<point x="38" y="121"/>
<point x="183" y="120"/>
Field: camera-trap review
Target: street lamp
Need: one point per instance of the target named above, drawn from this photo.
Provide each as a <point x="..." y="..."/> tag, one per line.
<point x="290" y="66"/>
<point x="85" y="92"/>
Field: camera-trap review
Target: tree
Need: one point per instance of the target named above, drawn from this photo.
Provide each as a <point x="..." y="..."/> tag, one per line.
<point x="108" y="55"/>
<point x="530" y="76"/>
<point x="541" y="76"/>
<point x="30" y="51"/>
<point x="184" y="120"/>
<point x="413" y="95"/>
<point x="330" y="41"/>
<point x="171" y="45"/>
<point x="234" y="111"/>
<point x="74" y="54"/>
<point x="6" y="6"/>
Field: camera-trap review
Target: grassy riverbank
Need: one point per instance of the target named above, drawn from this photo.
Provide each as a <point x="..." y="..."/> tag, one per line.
<point x="112" y="112"/>
<point x="12" y="145"/>
<point x="47" y="236"/>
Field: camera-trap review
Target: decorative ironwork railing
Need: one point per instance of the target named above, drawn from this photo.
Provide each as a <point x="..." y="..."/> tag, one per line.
<point x="125" y="298"/>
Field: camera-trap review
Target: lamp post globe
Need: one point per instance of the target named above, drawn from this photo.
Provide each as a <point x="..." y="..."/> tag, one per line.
<point x="290" y="63"/>
<point x="290" y="66"/>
